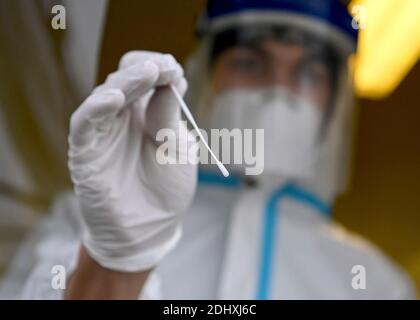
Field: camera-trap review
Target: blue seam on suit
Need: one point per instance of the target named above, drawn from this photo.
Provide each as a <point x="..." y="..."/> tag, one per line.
<point x="291" y="191"/>
<point x="269" y="230"/>
<point x="211" y="178"/>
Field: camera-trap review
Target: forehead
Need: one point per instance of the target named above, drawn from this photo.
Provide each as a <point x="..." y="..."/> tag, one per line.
<point x="269" y="49"/>
<point x="253" y="35"/>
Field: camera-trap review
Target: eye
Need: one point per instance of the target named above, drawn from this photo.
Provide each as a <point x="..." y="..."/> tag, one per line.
<point x="247" y="63"/>
<point x="315" y="74"/>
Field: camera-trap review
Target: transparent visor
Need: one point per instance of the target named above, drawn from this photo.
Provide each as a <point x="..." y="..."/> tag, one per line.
<point x="290" y="82"/>
<point x="266" y="57"/>
<point x="261" y="57"/>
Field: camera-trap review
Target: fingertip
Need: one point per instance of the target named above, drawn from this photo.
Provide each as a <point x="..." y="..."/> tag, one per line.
<point x="182" y="86"/>
<point x="170" y="70"/>
<point x="115" y="94"/>
<point x="148" y="66"/>
<point x="146" y="69"/>
<point x="151" y="71"/>
<point x="112" y="98"/>
<point x="172" y="63"/>
<point x="127" y="59"/>
<point x="136" y="56"/>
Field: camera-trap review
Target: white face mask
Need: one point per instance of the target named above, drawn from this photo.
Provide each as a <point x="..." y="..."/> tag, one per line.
<point x="291" y="127"/>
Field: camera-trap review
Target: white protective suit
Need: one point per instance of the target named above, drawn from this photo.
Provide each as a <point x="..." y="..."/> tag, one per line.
<point x="222" y="253"/>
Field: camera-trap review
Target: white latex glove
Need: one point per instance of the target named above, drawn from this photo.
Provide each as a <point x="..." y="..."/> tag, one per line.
<point x="131" y="204"/>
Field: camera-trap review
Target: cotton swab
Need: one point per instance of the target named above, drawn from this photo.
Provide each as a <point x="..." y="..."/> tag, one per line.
<point x="190" y="118"/>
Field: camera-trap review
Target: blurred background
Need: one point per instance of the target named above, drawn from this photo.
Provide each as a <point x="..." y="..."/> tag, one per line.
<point x="46" y="73"/>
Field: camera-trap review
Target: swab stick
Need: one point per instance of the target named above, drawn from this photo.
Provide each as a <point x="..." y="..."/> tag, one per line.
<point x="190" y="118"/>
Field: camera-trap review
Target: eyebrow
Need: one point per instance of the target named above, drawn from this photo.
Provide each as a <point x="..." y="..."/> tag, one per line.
<point x="311" y="54"/>
<point x="257" y="49"/>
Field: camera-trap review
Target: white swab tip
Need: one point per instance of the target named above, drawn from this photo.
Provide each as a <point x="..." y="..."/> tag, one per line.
<point x="223" y="170"/>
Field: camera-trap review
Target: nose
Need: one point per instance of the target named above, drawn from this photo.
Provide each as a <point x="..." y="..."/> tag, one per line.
<point x="281" y="75"/>
<point x="283" y="62"/>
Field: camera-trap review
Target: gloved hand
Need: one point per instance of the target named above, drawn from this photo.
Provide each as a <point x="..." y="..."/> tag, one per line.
<point x="130" y="203"/>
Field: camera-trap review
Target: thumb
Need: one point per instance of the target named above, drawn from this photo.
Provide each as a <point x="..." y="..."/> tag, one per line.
<point x="163" y="110"/>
